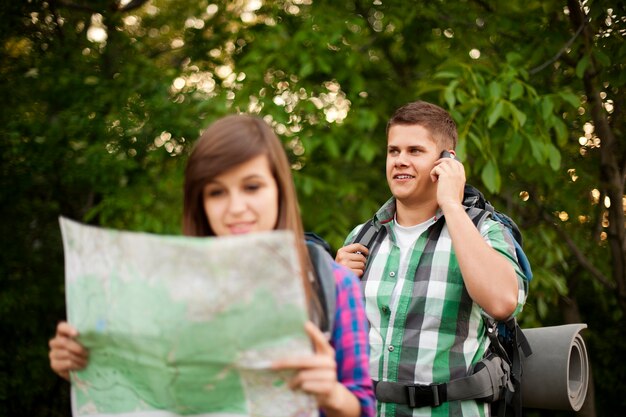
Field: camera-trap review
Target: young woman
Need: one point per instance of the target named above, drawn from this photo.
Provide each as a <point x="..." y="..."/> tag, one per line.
<point x="238" y="180"/>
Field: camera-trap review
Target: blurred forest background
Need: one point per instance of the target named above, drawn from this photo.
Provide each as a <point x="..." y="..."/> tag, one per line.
<point x="102" y="99"/>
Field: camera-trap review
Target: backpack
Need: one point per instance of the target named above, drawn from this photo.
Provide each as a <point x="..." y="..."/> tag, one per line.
<point x="496" y="378"/>
<point x="324" y="285"/>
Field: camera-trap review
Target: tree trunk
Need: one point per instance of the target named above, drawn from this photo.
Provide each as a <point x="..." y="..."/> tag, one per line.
<point x="611" y="154"/>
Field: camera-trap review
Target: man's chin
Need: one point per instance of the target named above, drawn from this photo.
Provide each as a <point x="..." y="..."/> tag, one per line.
<point x="404" y="197"/>
<point x="410" y="199"/>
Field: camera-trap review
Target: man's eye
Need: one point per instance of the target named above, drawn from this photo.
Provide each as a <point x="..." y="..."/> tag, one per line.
<point x="393" y="151"/>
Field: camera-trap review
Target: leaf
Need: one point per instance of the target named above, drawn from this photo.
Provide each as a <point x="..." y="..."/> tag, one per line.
<point x="495" y="114"/>
<point x="462" y="96"/>
<point x="476" y="141"/>
<point x="520" y="117"/>
<point x="306" y="69"/>
<point x="495" y="90"/>
<point x="571" y="98"/>
<point x="542" y="307"/>
<point x="582" y="66"/>
<point x="331" y="147"/>
<point x="514" y="58"/>
<point x="368" y="151"/>
<point x="560" y="128"/>
<point x="306" y="185"/>
<point x="512" y="148"/>
<point x="537" y="150"/>
<point x="602" y="58"/>
<point x="448" y="94"/>
<point x="547" y="106"/>
<point x="517" y="90"/>
<point x="554" y="157"/>
<point x="490" y="176"/>
<point x="461" y="150"/>
<point x="446" y="74"/>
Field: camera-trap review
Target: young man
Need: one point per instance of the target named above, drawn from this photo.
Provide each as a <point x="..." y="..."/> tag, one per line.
<point x="433" y="274"/>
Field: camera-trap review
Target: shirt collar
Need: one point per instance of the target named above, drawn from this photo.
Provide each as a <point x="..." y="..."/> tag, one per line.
<point x="387" y="213"/>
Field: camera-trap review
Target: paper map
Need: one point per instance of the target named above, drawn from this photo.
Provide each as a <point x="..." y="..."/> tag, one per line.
<point x="183" y="326"/>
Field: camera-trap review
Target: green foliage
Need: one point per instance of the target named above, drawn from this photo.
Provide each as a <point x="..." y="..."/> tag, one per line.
<point x="98" y="131"/>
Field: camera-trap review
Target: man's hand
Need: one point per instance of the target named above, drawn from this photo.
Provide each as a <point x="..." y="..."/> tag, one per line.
<point x="353" y="256"/>
<point x="449" y="173"/>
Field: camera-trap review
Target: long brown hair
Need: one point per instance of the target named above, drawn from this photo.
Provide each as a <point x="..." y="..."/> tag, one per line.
<point x="228" y="142"/>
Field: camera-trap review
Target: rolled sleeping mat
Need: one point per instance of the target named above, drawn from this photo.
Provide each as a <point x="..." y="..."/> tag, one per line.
<point x="556" y="375"/>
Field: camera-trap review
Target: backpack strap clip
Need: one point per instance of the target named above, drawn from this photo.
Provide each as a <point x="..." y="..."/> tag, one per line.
<point x="426" y="395"/>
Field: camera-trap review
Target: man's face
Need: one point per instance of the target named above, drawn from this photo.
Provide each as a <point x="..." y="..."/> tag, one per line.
<point x="411" y="155"/>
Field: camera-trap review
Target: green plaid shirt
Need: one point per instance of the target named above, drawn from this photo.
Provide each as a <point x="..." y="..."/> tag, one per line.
<point x="434" y="332"/>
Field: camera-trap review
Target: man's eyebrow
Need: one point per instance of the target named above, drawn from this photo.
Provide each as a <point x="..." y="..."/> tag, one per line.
<point x="409" y="147"/>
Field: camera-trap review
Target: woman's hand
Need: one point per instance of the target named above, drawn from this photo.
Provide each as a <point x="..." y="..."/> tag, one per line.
<point x="317" y="375"/>
<point x="66" y="354"/>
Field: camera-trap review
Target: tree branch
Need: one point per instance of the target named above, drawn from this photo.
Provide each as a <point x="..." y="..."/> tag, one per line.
<point x="133" y="4"/>
<point x="578" y="254"/>
<point x="116" y="7"/>
<point x="564" y="49"/>
<point x="71" y="5"/>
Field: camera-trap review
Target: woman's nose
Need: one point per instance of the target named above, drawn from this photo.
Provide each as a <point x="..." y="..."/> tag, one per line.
<point x="237" y="203"/>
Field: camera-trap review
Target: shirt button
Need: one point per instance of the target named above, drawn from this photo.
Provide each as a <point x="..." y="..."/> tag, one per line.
<point x="385" y="309"/>
<point x="390" y="348"/>
<point x="392" y="274"/>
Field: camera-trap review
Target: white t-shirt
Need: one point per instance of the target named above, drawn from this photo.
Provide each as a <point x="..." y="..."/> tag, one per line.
<point x="406" y="236"/>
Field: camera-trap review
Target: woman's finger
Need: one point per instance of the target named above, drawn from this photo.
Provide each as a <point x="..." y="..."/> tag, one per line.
<point x="320" y="344"/>
<point x="305" y="362"/>
<point x="66" y="344"/>
<point x="67" y="330"/>
<point x="314" y="381"/>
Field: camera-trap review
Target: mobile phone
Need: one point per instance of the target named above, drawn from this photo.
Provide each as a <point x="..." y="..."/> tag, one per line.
<point x="446" y="154"/>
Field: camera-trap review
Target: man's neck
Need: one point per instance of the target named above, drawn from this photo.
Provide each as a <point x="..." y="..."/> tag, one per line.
<point x="412" y="213"/>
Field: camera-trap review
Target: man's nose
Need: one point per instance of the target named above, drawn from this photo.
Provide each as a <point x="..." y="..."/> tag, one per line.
<point x="400" y="159"/>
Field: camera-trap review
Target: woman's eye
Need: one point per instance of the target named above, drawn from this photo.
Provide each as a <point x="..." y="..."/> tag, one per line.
<point x="252" y="187"/>
<point x="213" y="193"/>
<point x="393" y="151"/>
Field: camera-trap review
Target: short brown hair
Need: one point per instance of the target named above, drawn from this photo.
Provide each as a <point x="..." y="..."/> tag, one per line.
<point x="430" y="116"/>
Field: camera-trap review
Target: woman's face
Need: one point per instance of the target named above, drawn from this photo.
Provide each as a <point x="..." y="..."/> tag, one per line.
<point x="243" y="199"/>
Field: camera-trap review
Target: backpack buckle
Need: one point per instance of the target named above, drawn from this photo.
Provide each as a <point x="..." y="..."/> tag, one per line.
<point x="432" y="395"/>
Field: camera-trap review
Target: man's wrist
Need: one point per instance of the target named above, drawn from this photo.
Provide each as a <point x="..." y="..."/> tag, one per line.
<point x="450" y="207"/>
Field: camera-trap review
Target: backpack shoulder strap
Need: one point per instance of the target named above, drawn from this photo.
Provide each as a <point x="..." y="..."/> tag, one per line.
<point x="367" y="234"/>
<point x="326" y="287"/>
<point x="478" y="216"/>
<point x="370" y="235"/>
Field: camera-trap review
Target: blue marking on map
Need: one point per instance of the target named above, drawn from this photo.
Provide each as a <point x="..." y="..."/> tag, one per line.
<point x="101" y="325"/>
